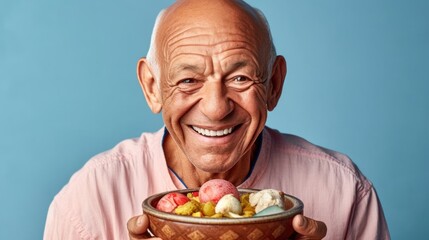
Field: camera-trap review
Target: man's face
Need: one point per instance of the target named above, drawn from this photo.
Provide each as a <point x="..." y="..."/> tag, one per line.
<point x="212" y="106"/>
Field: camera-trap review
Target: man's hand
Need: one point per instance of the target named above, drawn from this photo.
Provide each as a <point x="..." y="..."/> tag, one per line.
<point x="137" y="228"/>
<point x="308" y="228"/>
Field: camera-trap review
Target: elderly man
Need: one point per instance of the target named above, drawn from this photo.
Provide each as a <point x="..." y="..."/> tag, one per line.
<point x="213" y="72"/>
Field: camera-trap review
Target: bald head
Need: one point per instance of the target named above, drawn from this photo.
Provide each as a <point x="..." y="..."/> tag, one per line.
<point x="222" y="15"/>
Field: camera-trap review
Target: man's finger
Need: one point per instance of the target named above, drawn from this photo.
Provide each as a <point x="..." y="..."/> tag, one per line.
<point x="137" y="227"/>
<point x="308" y="228"/>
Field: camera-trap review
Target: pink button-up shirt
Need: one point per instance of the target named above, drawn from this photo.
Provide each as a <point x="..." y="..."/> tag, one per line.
<point x="102" y="196"/>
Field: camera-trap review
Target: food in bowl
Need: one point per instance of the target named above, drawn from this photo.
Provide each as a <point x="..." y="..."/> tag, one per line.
<point x="220" y="198"/>
<point x="272" y="222"/>
<point x="214" y="189"/>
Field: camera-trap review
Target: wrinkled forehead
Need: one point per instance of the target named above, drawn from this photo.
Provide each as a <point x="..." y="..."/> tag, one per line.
<point x="209" y="53"/>
<point x="200" y="40"/>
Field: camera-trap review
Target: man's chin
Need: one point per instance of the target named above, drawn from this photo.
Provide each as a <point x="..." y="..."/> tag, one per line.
<point x="217" y="165"/>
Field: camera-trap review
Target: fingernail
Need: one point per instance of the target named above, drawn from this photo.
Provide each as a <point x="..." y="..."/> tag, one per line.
<point x="301" y="221"/>
<point x="139" y="221"/>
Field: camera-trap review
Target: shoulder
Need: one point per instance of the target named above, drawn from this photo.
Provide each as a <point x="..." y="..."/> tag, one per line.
<point x="119" y="177"/>
<point x="293" y="144"/>
<point x="126" y="151"/>
<point x="329" y="183"/>
<point x="321" y="163"/>
<point x="124" y="163"/>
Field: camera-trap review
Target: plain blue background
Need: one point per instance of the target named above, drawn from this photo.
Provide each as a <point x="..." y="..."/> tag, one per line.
<point x="357" y="83"/>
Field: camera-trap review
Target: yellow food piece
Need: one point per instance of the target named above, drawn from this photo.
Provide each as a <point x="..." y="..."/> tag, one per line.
<point x="188" y="208"/>
<point x="217" y="215"/>
<point x="248" y="213"/>
<point x="248" y="208"/>
<point x="208" y="208"/>
<point x="197" y="214"/>
<point x="245" y="204"/>
<point x="244" y="198"/>
<point x="192" y="197"/>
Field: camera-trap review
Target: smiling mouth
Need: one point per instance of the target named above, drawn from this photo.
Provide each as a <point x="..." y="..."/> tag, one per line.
<point x="212" y="133"/>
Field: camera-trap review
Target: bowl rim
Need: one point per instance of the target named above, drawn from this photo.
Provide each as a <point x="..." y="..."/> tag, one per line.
<point x="148" y="209"/>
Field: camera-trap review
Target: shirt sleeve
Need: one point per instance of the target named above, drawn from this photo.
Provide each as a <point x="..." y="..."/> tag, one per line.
<point x="367" y="220"/>
<point x="58" y="226"/>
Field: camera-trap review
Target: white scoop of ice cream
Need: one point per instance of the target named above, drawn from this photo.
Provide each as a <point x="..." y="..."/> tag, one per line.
<point x="228" y="204"/>
<point x="266" y="198"/>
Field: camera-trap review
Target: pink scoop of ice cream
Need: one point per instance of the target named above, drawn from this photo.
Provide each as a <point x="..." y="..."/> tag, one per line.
<point x="170" y="201"/>
<point x="213" y="190"/>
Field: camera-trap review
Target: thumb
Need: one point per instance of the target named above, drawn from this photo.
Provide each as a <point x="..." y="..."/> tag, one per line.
<point x="308" y="228"/>
<point x="137" y="227"/>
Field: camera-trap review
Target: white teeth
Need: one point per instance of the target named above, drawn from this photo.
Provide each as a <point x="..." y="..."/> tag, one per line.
<point x="212" y="133"/>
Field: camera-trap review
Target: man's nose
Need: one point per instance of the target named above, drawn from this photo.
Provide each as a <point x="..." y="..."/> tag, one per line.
<point x="215" y="103"/>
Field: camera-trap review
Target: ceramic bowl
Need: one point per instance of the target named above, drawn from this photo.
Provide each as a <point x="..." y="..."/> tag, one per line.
<point x="172" y="226"/>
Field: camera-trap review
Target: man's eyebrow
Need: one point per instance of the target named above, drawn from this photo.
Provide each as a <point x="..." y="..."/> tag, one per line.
<point x="236" y="65"/>
<point x="239" y="64"/>
<point x="176" y="69"/>
<point x="186" y="66"/>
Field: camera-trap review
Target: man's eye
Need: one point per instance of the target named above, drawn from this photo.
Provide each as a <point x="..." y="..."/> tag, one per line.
<point x="241" y="79"/>
<point x="189" y="84"/>
<point x="187" y="81"/>
<point x="240" y="82"/>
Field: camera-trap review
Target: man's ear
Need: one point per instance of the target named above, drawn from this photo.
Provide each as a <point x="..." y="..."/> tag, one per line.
<point x="276" y="82"/>
<point x="149" y="86"/>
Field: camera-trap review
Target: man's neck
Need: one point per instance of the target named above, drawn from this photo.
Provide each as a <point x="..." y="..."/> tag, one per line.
<point x="193" y="177"/>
